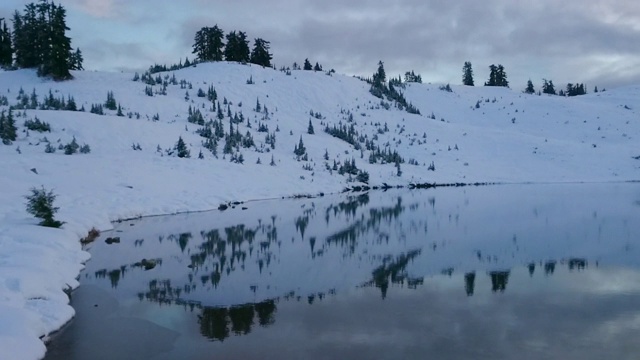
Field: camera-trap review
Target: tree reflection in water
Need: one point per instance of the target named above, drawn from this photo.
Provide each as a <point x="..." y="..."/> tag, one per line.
<point x="469" y="282"/>
<point x="499" y="280"/>
<point x="393" y="270"/>
<point x="214" y="260"/>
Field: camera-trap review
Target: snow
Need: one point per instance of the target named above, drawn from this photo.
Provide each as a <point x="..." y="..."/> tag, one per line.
<point x="511" y="137"/>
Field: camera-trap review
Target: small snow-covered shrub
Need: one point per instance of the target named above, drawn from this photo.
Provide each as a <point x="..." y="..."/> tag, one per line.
<point x="71" y="148"/>
<point x="37" y="125"/>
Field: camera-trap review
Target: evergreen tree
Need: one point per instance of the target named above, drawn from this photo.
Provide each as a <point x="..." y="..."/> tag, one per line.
<point x="56" y="53"/>
<point x="200" y="45"/>
<point x="40" y="205"/>
<point x="24" y="38"/>
<point x="501" y="77"/>
<point x="76" y="60"/>
<point x="575" y="90"/>
<point x="467" y="74"/>
<point x="299" y="149"/>
<point x="6" y="48"/>
<point x="8" y="130"/>
<point x="237" y="48"/>
<point x="493" y="69"/>
<point x="529" y="89"/>
<point x="181" y="149"/>
<point x="71" y="104"/>
<point x="380" y="77"/>
<point x="411" y="77"/>
<point x="260" y="54"/>
<point x="111" y="103"/>
<point x="317" y="67"/>
<point x="548" y="88"/>
<point x="208" y="45"/>
<point x="214" y="39"/>
<point x="40" y="40"/>
<point x="307" y="65"/>
<point x="310" y="130"/>
<point x="497" y="76"/>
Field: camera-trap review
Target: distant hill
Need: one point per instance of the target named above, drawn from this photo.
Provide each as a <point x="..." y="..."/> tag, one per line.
<point x="472" y="134"/>
<point x="160" y="145"/>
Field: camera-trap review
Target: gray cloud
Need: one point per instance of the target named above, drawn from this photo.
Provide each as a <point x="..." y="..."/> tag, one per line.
<point x="592" y="41"/>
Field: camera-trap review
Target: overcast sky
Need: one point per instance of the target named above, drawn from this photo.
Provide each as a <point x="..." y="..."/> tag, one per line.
<point x="596" y="42"/>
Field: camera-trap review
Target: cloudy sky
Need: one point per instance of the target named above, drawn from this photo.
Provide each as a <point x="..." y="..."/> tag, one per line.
<point x="596" y="42"/>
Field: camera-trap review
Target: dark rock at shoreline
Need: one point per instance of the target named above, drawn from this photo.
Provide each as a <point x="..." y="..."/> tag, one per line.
<point x="112" y="240"/>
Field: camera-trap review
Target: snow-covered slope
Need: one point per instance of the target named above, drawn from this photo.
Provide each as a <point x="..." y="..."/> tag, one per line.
<point x="478" y="135"/>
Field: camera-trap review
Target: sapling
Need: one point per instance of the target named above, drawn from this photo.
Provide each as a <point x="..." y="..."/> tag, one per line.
<point x="40" y="205"/>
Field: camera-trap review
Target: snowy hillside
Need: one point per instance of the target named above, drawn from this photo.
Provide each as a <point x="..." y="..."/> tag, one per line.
<point x="468" y="135"/>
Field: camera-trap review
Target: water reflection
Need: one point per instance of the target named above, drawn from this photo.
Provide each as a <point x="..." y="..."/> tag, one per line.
<point x="217" y="322"/>
<point x="241" y="272"/>
<point x="394" y="271"/>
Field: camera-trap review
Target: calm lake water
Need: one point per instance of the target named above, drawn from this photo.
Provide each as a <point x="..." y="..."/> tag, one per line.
<point x="511" y="271"/>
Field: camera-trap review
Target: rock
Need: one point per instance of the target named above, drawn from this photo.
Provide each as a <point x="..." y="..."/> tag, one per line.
<point x="112" y="240"/>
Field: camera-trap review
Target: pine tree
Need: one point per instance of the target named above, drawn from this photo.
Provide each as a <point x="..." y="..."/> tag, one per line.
<point x="310" y="130"/>
<point x="71" y="104"/>
<point x="40" y="205"/>
<point x="299" y="149"/>
<point x="317" y="67"/>
<point x="231" y="49"/>
<point x="497" y="76"/>
<point x="380" y="77"/>
<point x="8" y="129"/>
<point x="501" y="77"/>
<point x="411" y="77"/>
<point x="76" y="60"/>
<point x="260" y="54"/>
<point x="6" y="47"/>
<point x="492" y="76"/>
<point x="244" y="54"/>
<point x="181" y="149"/>
<point x="307" y="65"/>
<point x="548" y="88"/>
<point x="529" y="89"/>
<point x="200" y="45"/>
<point x="237" y="48"/>
<point x="111" y="103"/>
<point x="467" y="74"/>
<point x="60" y="45"/>
<point x="208" y="45"/>
<point x="24" y="38"/>
<point x="40" y="40"/>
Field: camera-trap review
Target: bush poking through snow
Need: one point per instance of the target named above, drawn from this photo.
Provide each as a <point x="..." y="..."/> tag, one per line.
<point x="40" y="205"/>
<point x="181" y="149"/>
<point x="72" y="147"/>
<point x="85" y="149"/>
<point x="91" y="236"/>
<point x="37" y="125"/>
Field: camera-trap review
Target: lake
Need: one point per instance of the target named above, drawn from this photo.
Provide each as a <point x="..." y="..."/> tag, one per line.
<point x="527" y="271"/>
